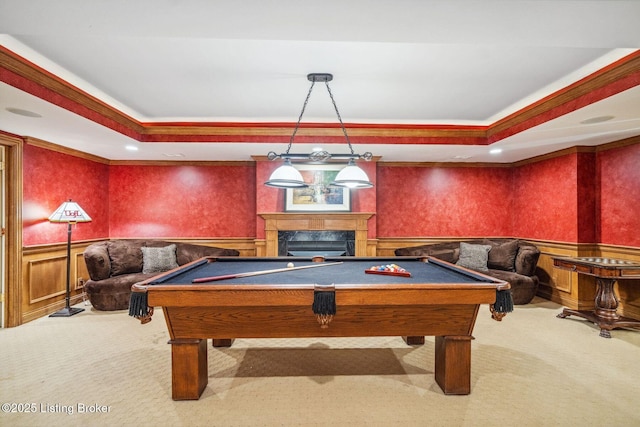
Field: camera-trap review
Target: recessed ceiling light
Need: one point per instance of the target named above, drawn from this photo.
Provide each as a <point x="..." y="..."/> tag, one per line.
<point x="598" y="119"/>
<point x="459" y="157"/>
<point x="22" y="112"/>
<point x="131" y="148"/>
<point x="495" y="151"/>
<point x="173" y="154"/>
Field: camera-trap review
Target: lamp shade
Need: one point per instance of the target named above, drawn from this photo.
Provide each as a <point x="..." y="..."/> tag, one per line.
<point x="352" y="177"/>
<point x="69" y="212"/>
<point x="286" y="176"/>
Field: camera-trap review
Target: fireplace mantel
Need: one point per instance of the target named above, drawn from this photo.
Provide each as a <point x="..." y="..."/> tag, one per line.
<point x="295" y="221"/>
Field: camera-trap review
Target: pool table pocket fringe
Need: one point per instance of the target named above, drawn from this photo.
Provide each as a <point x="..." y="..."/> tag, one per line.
<point x="138" y="307"/>
<point x="503" y="304"/>
<point x="324" y="306"/>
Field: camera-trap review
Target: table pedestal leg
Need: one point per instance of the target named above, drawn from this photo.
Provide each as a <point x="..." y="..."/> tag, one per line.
<point x="605" y="314"/>
<point x="453" y="364"/>
<point x="189" y="370"/>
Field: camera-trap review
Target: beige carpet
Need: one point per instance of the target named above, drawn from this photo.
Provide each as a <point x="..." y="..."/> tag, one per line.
<point x="531" y="369"/>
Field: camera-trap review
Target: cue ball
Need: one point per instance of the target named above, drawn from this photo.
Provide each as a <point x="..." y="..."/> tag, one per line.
<point x="290" y="265"/>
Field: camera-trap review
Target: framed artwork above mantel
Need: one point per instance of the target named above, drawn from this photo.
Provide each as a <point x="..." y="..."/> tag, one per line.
<point x="319" y="196"/>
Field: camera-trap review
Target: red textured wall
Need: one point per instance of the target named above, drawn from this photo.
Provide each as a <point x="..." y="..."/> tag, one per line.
<point x="50" y="178"/>
<point x="588" y="193"/>
<point x="619" y="211"/>
<point x="580" y="197"/>
<point x="444" y="201"/>
<point x="267" y="199"/>
<point x="545" y="199"/>
<point x="182" y="201"/>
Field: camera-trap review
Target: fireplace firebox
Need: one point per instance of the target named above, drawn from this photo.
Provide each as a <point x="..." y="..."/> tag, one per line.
<point x="312" y="243"/>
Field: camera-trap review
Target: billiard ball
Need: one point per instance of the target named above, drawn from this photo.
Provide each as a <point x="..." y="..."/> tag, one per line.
<point x="290" y="265"/>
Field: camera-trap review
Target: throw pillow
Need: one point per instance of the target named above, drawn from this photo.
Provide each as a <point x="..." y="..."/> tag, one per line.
<point x="527" y="260"/>
<point x="125" y="257"/>
<point x="502" y="256"/>
<point x="157" y="260"/>
<point x="474" y="257"/>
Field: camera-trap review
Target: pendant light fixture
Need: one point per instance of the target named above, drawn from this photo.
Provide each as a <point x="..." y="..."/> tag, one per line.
<point x="287" y="176"/>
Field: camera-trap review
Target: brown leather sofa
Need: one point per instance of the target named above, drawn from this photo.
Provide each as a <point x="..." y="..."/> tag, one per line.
<point x="511" y="260"/>
<point x="115" y="265"/>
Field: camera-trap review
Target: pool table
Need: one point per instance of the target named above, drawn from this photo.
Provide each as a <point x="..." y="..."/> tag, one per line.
<point x="317" y="297"/>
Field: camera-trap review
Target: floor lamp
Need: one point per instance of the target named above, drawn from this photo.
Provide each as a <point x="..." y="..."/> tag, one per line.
<point x="71" y="213"/>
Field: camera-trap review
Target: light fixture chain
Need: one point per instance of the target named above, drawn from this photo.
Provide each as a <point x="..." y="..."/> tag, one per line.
<point x="304" y="107"/>
<point x="335" y="106"/>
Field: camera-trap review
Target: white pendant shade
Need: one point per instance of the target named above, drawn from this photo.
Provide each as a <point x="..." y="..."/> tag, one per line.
<point x="286" y="176"/>
<point x="352" y="177"/>
<point x="69" y="212"/>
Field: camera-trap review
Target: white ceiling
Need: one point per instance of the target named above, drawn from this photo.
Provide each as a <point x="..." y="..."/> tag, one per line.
<point x="393" y="61"/>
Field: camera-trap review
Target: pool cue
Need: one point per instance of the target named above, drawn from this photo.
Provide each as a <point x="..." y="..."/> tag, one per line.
<point x="258" y="273"/>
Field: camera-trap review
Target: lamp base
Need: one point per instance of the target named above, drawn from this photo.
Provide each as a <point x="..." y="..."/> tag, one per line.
<point x="67" y="312"/>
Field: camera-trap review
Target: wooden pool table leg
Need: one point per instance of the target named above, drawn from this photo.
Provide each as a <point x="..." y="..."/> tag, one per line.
<point x="453" y="364"/>
<point x="414" y="340"/>
<point x="189" y="370"/>
<point x="222" y="342"/>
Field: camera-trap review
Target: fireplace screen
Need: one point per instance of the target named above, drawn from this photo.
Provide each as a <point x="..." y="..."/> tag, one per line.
<point x="312" y="243"/>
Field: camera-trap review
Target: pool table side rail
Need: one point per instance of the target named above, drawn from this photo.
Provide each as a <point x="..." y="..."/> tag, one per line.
<point x="294" y="295"/>
<point x="180" y="295"/>
<point x="302" y="295"/>
<point x="489" y="281"/>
